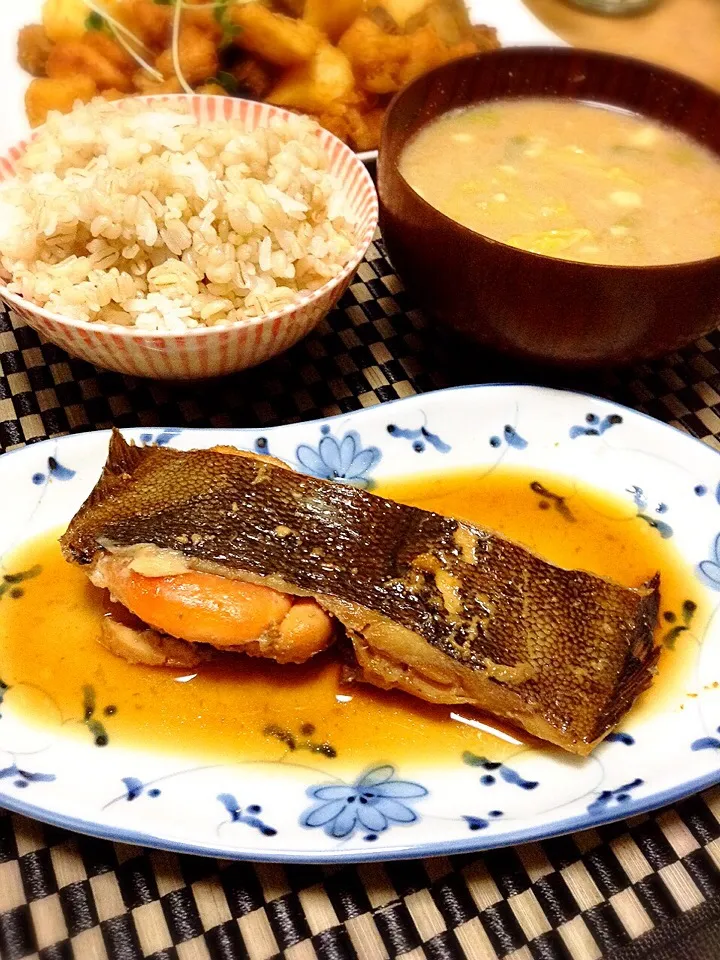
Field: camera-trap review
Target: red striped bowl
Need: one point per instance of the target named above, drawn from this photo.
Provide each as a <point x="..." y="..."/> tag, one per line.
<point x="211" y="351"/>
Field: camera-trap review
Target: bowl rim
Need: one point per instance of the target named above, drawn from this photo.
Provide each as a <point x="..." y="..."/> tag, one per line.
<point x="555" y="53"/>
<point x="360" y="246"/>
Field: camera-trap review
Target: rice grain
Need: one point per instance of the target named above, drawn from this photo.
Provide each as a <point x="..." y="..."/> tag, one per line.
<point x="137" y="214"/>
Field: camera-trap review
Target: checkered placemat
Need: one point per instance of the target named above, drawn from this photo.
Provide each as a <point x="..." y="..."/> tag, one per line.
<point x="572" y="898"/>
<point x="647" y="888"/>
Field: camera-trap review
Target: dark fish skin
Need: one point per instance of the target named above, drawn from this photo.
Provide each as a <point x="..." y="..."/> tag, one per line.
<point x="475" y="617"/>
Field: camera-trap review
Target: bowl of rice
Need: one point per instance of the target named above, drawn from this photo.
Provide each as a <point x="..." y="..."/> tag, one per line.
<point x="180" y="237"/>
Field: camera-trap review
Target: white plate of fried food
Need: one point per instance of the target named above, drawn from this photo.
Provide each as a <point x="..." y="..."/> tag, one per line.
<point x="338" y="61"/>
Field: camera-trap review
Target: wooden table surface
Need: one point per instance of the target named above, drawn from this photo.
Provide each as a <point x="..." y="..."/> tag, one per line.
<point x="681" y="34"/>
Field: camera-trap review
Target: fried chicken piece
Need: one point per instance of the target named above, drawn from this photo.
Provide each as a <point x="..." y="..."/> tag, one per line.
<point x="376" y="56"/>
<point x="151" y="22"/>
<point x="485" y="38"/>
<point x="292" y="7"/>
<point x="382" y="18"/>
<point x="75" y="58"/>
<point x="33" y="49"/>
<point x="449" y="19"/>
<point x="365" y="128"/>
<point x="253" y="78"/>
<point x="274" y="37"/>
<point x="44" y="95"/>
<point x="359" y="126"/>
<point x="383" y="63"/>
<point x="110" y="49"/>
<point x="145" y="84"/>
<point x="112" y="94"/>
<point x="197" y="55"/>
<point x="211" y="90"/>
<point x="426" y="51"/>
<point x="336" y="121"/>
<point x="200" y="15"/>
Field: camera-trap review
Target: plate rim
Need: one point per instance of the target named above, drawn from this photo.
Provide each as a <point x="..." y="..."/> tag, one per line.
<point x="408" y="850"/>
<point x="475" y="843"/>
<point x="335" y="417"/>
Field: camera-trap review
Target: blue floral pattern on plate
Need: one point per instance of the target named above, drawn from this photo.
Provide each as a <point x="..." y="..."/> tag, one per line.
<point x="706" y="743"/>
<point x="343" y="459"/>
<point x="709" y="570"/>
<point x="645" y="512"/>
<point x="161" y="439"/>
<point x="495" y="769"/>
<point x="55" y="471"/>
<point x="619" y="795"/>
<point x="511" y="437"/>
<point x="595" y="426"/>
<point x="619" y="736"/>
<point x="481" y="823"/>
<point x="419" y="437"/>
<point x="373" y="803"/>
<point x="248" y="816"/>
<point x="136" y="788"/>
<point x="23" y="778"/>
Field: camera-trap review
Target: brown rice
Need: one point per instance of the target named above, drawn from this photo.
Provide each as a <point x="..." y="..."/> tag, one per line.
<point x="137" y="214"/>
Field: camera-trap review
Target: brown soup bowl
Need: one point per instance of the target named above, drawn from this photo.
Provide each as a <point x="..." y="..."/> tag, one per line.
<point x="539" y="307"/>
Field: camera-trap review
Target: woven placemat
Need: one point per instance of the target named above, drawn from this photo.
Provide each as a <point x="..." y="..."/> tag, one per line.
<point x="646" y="888"/>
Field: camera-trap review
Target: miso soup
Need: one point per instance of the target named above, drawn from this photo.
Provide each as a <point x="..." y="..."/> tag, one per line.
<point x="572" y="180"/>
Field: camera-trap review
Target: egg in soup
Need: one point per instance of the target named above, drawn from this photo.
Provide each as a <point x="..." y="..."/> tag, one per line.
<point x="572" y="180"/>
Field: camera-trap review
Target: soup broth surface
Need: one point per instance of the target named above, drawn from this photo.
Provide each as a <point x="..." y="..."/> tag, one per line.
<point x="570" y="180"/>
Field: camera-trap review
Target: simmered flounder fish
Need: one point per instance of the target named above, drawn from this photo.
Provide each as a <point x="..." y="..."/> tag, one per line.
<point x="434" y="606"/>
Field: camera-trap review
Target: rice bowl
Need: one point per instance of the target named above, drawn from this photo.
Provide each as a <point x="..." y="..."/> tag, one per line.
<point x="140" y="215"/>
<point x="256" y="257"/>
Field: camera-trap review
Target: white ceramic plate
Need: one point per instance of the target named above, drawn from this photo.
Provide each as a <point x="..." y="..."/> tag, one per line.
<point x="515" y="24"/>
<point x="285" y="811"/>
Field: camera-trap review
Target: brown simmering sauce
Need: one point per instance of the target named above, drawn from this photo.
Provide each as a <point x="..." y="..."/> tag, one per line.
<point x="243" y="708"/>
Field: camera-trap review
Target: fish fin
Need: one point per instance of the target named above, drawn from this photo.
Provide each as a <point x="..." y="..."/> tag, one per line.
<point x="122" y="460"/>
<point x="643" y="654"/>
